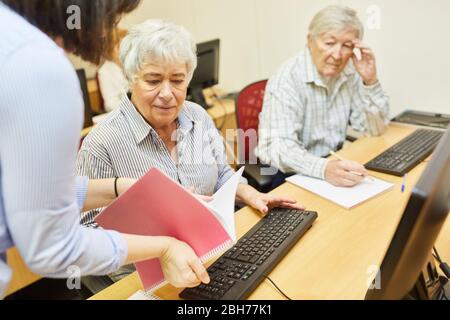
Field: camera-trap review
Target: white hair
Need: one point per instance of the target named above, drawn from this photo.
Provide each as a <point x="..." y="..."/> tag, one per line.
<point x="335" y="17"/>
<point x="157" y="42"/>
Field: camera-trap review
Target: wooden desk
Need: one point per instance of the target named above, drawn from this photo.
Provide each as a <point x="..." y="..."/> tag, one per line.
<point x="333" y="259"/>
<point x="22" y="276"/>
<point x="223" y="113"/>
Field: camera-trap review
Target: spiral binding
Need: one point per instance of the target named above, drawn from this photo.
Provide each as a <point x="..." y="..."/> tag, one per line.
<point x="217" y="251"/>
<point x="143" y="295"/>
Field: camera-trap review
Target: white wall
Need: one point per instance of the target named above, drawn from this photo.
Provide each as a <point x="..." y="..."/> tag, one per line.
<point x="412" y="44"/>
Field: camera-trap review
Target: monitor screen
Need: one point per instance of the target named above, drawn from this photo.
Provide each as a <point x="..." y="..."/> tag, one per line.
<point x="207" y="72"/>
<point x="409" y="252"/>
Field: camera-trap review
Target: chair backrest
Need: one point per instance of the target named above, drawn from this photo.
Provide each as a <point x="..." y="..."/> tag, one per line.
<point x="249" y="104"/>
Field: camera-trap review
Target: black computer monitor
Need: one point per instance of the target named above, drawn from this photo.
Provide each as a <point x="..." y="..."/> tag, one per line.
<point x="407" y="270"/>
<point x="207" y="73"/>
<point x="88" y="114"/>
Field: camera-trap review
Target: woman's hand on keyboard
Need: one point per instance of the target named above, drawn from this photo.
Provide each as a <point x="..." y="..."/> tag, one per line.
<point x="264" y="201"/>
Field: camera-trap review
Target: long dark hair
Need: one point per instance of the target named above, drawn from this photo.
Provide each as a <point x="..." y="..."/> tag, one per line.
<point x="98" y="21"/>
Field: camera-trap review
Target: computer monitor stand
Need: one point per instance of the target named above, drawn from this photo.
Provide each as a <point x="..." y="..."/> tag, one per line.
<point x="196" y="95"/>
<point x="430" y="285"/>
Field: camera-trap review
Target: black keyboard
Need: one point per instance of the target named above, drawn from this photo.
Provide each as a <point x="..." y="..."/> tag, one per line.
<point x="242" y="268"/>
<point x="406" y="154"/>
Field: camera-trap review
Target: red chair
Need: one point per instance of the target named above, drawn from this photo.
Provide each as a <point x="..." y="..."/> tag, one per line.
<point x="249" y="104"/>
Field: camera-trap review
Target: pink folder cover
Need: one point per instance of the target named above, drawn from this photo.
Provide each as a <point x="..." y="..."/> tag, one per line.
<point x="158" y="206"/>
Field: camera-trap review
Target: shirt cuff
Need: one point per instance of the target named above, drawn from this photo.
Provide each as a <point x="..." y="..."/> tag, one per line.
<point x="81" y="186"/>
<point x="372" y="90"/>
<point x="318" y="168"/>
<point x="120" y="247"/>
<point x="243" y="180"/>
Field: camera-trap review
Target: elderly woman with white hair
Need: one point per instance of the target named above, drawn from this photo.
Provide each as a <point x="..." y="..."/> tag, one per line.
<point x="156" y="127"/>
<point x="312" y="98"/>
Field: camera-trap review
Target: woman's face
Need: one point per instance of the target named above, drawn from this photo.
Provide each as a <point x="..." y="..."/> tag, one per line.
<point x="159" y="93"/>
<point x="332" y="50"/>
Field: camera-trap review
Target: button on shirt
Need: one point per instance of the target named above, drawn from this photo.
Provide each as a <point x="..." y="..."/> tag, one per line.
<point x="41" y="114"/>
<point x="125" y="145"/>
<point x="304" y="117"/>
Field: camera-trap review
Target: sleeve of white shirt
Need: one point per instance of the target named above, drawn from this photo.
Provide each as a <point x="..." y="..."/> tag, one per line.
<point x="110" y="81"/>
<point x="279" y="136"/>
<point x="93" y="166"/>
<point x="81" y="190"/>
<point x="38" y="162"/>
<point x="370" y="108"/>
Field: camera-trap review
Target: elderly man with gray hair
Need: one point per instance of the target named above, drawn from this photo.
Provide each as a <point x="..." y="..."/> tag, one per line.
<point x="309" y="102"/>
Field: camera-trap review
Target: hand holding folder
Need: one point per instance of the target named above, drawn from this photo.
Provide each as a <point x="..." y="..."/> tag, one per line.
<point x="158" y="206"/>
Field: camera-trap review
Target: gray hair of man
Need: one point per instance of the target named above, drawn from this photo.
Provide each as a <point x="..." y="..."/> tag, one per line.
<point x="335" y="17"/>
<point x="157" y="42"/>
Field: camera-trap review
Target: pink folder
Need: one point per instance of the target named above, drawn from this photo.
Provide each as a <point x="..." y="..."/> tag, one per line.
<point x="158" y="206"/>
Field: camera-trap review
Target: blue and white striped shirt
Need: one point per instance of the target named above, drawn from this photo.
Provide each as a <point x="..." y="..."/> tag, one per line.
<point x="41" y="113"/>
<point x="304" y="117"/>
<point x="125" y="145"/>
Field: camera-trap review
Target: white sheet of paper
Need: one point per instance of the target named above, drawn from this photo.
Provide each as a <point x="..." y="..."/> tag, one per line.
<point x="345" y="197"/>
<point x="223" y="201"/>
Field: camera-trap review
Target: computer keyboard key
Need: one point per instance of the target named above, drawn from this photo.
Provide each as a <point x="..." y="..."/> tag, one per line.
<point x="239" y="270"/>
<point x="406" y="154"/>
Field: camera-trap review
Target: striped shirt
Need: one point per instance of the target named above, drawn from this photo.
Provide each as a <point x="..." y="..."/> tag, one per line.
<point x="41" y="115"/>
<point x="304" y="117"/>
<point x="125" y="145"/>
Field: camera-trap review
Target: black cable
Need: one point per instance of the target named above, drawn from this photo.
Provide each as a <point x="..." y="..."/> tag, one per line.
<point x="279" y="290"/>
<point x="442" y="265"/>
<point x="442" y="295"/>
<point x="436" y="255"/>
<point x="224" y="120"/>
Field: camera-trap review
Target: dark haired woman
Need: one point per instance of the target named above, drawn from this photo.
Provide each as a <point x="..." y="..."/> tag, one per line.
<point x="40" y="122"/>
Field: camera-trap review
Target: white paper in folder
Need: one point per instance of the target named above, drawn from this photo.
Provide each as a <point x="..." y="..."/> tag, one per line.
<point x="223" y="201"/>
<point x="345" y="197"/>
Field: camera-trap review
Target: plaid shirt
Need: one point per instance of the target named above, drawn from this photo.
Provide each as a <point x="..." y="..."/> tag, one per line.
<point x="304" y="117"/>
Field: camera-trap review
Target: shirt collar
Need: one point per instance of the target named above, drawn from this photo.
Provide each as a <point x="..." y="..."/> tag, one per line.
<point x="141" y="128"/>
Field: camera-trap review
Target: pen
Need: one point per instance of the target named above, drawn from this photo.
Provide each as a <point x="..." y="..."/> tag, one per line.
<point x="404" y="183"/>
<point x="369" y="178"/>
